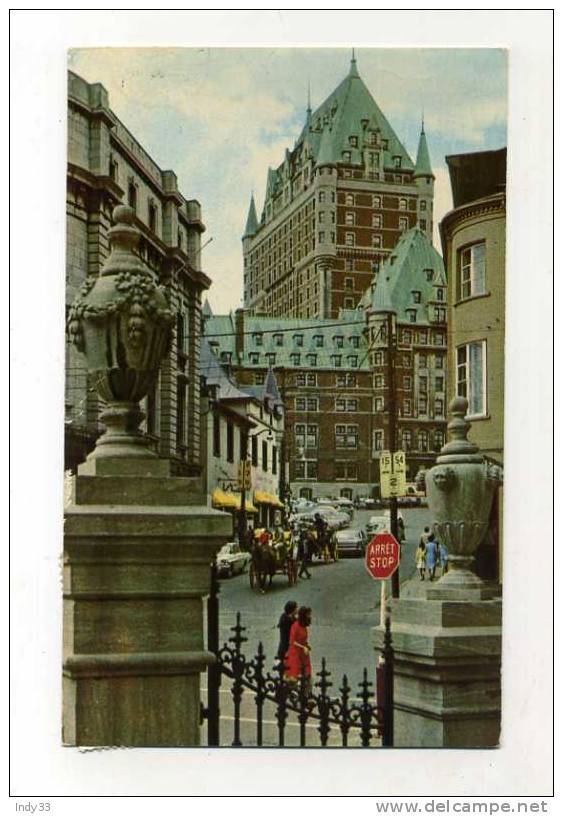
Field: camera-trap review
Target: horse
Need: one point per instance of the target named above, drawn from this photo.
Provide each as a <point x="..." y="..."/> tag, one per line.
<point x="264" y="564"/>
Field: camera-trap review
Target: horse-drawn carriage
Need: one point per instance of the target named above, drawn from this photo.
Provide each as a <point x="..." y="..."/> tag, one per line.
<point x="269" y="559"/>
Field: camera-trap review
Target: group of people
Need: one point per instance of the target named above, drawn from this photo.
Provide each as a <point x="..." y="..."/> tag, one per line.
<point x="303" y="542"/>
<point x="429" y="555"/>
<point x="294" y="649"/>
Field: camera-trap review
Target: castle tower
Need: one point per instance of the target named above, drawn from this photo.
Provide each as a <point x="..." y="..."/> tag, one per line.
<point x="424" y="180"/>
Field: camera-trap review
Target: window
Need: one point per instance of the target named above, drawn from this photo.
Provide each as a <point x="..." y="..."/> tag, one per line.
<point x="230" y="442"/>
<point x="407" y="337"/>
<point x="306" y="436"/>
<point x="346" y="436"/>
<point x="402" y="203"/>
<point x="278" y="339"/>
<point x="259" y="378"/>
<point x="422" y="223"/>
<point x="472" y="271"/>
<point x="412" y="315"/>
<point x="271" y="358"/>
<point x="348" y="283"/>
<point x="258" y="338"/>
<point x="439" y="407"/>
<point x="355" y="341"/>
<point x="306" y="404"/>
<point x="407" y="440"/>
<point x="113" y="169"/>
<point x="423" y="205"/>
<point x="439" y="317"/>
<point x="407" y="383"/>
<point x="423" y="440"/>
<point x="306" y="379"/>
<point x="346" y="155"/>
<point x="353" y="361"/>
<point x="378" y="440"/>
<point x="346" y="470"/>
<point x="254" y="358"/>
<point x="376" y="202"/>
<point x="406" y="360"/>
<point x="438" y="440"/>
<point x="348" y="303"/>
<point x="339" y="341"/>
<point x="378" y="358"/>
<point x="321" y="197"/>
<point x="350" y="219"/>
<point x="349" y="265"/>
<point x="376" y="220"/>
<point x="407" y="407"/>
<point x="321" y="217"/>
<point x="311" y="359"/>
<point x="346" y="381"/>
<point x="353" y="140"/>
<point x="274" y="460"/>
<point x="416" y="296"/>
<point x="397" y="161"/>
<point x="439" y="383"/>
<point x="422" y="406"/>
<point x="264" y="455"/>
<point x="132" y="195"/>
<point x="439" y="361"/>
<point x="423" y="384"/>
<point x="376" y="241"/>
<point x="295" y="359"/>
<point x="471" y="376"/>
<point x="226" y="356"/>
<point x="306" y="469"/>
<point x="403" y="224"/>
<point x="350" y="239"/>
<point x="336" y="360"/>
<point x="254" y="451"/>
<point x="181" y="412"/>
<point x="440" y="294"/>
<point x="216" y="435"/>
<point x="421" y="361"/>
<point x="379" y="381"/>
<point x="378" y="404"/>
<point x="349" y="200"/>
<point x="318" y="341"/>
<point x="153" y="217"/>
<point x="298" y="339"/>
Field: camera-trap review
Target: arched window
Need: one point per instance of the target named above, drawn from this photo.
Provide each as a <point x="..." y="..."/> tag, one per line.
<point x="132" y="195"/>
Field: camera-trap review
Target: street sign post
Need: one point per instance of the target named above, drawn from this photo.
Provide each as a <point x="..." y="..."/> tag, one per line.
<point x="393" y="473"/>
<point x="382" y="556"/>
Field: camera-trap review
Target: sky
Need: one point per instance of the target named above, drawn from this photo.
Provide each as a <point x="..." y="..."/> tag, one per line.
<point x="219" y="117"/>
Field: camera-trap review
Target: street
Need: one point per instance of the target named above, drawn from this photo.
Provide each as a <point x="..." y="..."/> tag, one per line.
<point x="346" y="604"/>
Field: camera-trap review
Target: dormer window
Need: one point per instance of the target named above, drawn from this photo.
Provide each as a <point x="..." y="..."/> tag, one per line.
<point x="258" y="338"/>
<point x="339" y="341"/>
<point x="423" y="205"/>
<point x="278" y="339"/>
<point x="416" y="297"/>
<point x="353" y="141"/>
<point x="353" y="361"/>
<point x="385" y="144"/>
<point x="346" y="155"/>
<point x="254" y="358"/>
<point x="397" y="162"/>
<point x="298" y="339"/>
<point x="355" y="341"/>
<point x="429" y="274"/>
<point x="312" y="359"/>
<point x="271" y="358"/>
<point x="440" y="294"/>
<point x="373" y="138"/>
<point x="295" y="359"/>
<point x="403" y="224"/>
<point x="336" y="360"/>
<point x="318" y="340"/>
<point x="411" y="315"/>
<point x="226" y="356"/>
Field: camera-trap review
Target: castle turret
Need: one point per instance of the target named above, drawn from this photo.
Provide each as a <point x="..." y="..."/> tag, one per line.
<point x="424" y="180"/>
<point x="249" y="232"/>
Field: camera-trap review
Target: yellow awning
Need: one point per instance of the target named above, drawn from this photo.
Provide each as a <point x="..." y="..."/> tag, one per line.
<point x="224" y="501"/>
<point x="261" y="497"/>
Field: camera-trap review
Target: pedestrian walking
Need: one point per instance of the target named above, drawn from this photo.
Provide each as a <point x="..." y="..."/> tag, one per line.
<point x="287" y="618"/>
<point x="431" y="555"/>
<point x="303" y="554"/>
<point x="424" y="535"/>
<point x="401" y="530"/>
<point x="420" y="559"/>
<point x="443" y="556"/>
<point x="298" y="660"/>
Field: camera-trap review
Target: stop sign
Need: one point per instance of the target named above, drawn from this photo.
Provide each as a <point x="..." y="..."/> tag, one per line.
<point x="382" y="556"/>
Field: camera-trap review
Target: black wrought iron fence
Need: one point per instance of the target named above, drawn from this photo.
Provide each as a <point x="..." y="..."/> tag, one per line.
<point x="367" y="714"/>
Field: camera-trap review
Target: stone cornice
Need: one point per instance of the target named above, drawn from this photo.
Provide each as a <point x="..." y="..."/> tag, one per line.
<point x="494" y="204"/>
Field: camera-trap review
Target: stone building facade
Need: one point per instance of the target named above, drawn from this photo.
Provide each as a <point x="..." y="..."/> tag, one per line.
<point x="108" y="166"/>
<point x="334" y="208"/>
<point x="333" y="374"/>
<point x="473" y="240"/>
<point x="242" y="423"/>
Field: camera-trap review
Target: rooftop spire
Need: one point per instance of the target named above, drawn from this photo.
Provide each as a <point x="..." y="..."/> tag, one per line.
<point x="251" y="221"/>
<point x="423" y="166"/>
<point x="353" y="66"/>
<point x="309" y="98"/>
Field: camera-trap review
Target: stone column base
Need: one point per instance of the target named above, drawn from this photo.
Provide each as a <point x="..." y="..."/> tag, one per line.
<point x="447" y="672"/>
<point x="137" y="555"/>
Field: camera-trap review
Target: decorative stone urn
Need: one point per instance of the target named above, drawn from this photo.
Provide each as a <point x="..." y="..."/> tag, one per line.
<point x="122" y="323"/>
<point x="460" y="490"/>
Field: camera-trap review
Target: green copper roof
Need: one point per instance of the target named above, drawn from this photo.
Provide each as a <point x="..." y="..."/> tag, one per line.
<point x="206" y="310"/>
<point x="423" y="166"/>
<point x="414" y="271"/>
<point x="251" y="221"/>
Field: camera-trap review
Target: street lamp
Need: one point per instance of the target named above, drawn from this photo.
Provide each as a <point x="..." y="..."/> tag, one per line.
<point x="384" y="309"/>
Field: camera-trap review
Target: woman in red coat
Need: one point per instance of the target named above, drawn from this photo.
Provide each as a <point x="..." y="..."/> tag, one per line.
<point x="297" y="659"/>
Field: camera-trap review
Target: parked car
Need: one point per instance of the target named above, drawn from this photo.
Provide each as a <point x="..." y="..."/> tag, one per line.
<point x="231" y="560"/>
<point x="365" y="503"/>
<point x="377" y="524"/>
<point x="412" y="497"/>
<point x="350" y="541"/>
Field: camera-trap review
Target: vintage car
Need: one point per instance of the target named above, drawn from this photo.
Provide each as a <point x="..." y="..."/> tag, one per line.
<point x="350" y="542"/>
<point x="231" y="560"/>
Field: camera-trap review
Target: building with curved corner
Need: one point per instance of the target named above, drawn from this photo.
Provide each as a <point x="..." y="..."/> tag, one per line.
<point x="473" y="241"/>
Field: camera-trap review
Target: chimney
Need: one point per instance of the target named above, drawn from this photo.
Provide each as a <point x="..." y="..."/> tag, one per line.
<point x="239" y="334"/>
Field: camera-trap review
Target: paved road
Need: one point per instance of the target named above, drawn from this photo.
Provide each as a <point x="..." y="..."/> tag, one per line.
<point x="346" y="605"/>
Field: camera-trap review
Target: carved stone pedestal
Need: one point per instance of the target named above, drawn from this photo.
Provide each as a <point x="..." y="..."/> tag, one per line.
<point x="137" y="553"/>
<point x="447" y="671"/>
